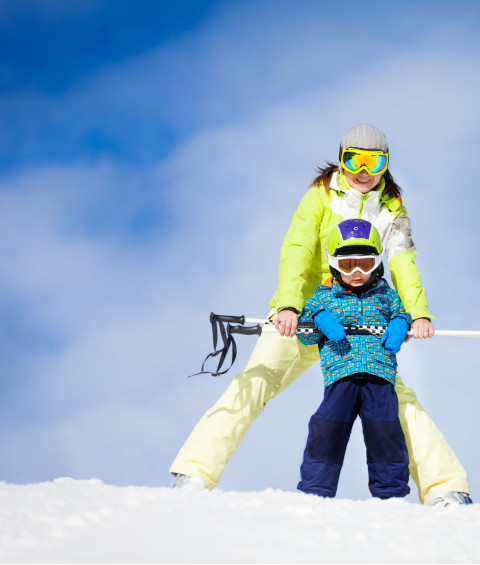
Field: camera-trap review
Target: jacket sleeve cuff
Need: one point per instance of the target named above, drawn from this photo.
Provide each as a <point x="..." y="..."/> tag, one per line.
<point x="406" y="316"/>
<point x="290" y="309"/>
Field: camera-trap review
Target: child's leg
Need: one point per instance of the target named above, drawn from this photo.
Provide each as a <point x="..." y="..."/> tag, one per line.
<point x="329" y="432"/>
<point x="387" y="455"/>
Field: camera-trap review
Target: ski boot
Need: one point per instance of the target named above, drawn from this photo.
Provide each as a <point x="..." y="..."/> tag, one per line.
<point x="188" y="483"/>
<point x="448" y="498"/>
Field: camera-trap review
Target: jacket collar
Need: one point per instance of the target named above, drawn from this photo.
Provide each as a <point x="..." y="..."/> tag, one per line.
<point x="338" y="289"/>
<point x="340" y="184"/>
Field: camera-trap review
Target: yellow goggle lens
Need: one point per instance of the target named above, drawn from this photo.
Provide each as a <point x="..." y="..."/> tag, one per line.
<point x="356" y="160"/>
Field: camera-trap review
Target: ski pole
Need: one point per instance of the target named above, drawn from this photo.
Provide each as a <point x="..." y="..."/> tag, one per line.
<point x="270" y="328"/>
<point x="222" y="326"/>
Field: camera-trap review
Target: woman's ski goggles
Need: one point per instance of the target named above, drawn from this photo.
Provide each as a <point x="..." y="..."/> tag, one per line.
<point x="356" y="160"/>
<point x="349" y="264"/>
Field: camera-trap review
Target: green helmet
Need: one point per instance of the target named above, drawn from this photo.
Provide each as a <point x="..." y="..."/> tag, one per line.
<point x="354" y="236"/>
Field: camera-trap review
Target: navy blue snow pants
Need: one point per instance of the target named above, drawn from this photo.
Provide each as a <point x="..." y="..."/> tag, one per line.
<point x="375" y="401"/>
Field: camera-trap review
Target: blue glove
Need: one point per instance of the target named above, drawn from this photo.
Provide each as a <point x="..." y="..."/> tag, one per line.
<point x="328" y="323"/>
<point x="395" y="334"/>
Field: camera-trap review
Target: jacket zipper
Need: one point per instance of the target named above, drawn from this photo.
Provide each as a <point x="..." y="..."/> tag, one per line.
<point x="364" y="345"/>
<point x="364" y="198"/>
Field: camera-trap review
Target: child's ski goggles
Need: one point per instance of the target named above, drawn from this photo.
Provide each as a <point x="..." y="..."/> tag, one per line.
<point x="349" y="264"/>
<point x="356" y="160"/>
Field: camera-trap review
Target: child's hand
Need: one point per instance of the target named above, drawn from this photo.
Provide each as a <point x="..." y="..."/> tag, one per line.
<point x="328" y="323"/>
<point x="395" y="334"/>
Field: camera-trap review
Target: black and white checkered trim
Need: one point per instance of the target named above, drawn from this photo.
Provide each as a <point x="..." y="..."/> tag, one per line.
<point x="310" y="328"/>
<point x="365" y="329"/>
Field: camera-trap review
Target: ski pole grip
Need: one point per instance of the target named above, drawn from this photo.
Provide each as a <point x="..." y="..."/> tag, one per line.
<point x="230" y="319"/>
<point x="242" y="330"/>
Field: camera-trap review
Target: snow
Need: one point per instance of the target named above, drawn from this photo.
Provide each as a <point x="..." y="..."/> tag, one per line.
<point x="87" y="521"/>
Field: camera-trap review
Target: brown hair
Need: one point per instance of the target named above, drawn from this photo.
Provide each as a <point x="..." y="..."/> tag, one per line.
<point x="324" y="175"/>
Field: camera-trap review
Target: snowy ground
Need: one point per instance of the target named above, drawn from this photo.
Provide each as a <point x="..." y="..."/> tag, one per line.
<point x="71" y="521"/>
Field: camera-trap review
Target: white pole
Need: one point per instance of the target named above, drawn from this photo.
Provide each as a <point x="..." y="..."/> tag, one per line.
<point x="258" y="321"/>
<point x="269" y="328"/>
<point x="457" y="333"/>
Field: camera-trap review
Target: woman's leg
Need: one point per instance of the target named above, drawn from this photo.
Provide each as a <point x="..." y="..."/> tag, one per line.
<point x="433" y="465"/>
<point x="275" y="363"/>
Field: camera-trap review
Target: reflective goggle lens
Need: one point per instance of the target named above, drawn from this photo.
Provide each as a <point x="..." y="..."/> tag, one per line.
<point x="348" y="264"/>
<point x="355" y="160"/>
<point x="365" y="264"/>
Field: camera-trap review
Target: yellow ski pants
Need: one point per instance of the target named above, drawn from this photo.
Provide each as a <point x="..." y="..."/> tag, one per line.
<point x="275" y="364"/>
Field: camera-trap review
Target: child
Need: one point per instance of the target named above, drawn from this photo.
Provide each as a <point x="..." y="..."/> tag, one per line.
<point x="359" y="370"/>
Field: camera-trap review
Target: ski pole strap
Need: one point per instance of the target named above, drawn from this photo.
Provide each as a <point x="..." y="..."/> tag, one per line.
<point x="222" y="326"/>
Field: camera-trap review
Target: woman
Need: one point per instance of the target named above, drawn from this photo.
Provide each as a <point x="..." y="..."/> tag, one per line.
<point x="361" y="186"/>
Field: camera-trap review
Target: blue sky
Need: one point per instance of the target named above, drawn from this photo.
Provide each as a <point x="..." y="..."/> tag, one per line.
<point x="151" y="157"/>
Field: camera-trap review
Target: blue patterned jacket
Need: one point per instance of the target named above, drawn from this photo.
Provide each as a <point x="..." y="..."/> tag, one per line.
<point x="355" y="353"/>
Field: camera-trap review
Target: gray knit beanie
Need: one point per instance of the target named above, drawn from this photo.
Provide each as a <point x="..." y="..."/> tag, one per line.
<point x="365" y="136"/>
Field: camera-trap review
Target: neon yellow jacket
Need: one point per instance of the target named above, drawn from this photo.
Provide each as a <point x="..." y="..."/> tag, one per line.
<point x="303" y="262"/>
